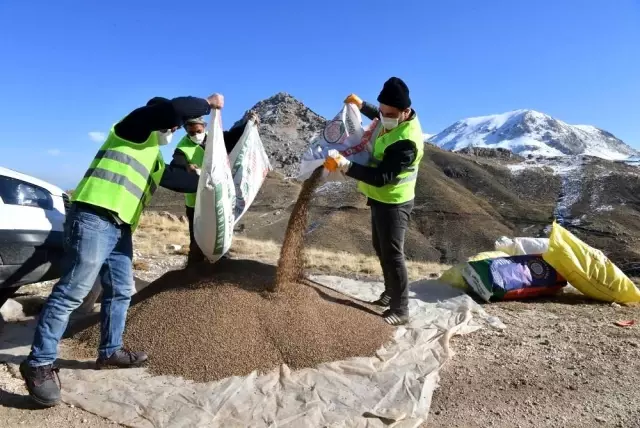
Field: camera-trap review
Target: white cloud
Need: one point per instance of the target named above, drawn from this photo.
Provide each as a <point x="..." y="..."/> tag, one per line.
<point x="97" y="136"/>
<point x="53" y="152"/>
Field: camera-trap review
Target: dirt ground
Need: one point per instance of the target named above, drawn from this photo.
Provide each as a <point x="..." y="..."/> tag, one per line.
<point x="559" y="363"/>
<point x="17" y="410"/>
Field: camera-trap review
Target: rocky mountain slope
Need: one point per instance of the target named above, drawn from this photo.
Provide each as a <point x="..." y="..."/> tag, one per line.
<point x="286" y="128"/>
<point x="465" y="200"/>
<point x="528" y="132"/>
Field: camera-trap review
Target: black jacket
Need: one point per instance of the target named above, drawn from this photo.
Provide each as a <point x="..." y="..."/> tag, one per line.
<point x="397" y="158"/>
<point x="140" y="123"/>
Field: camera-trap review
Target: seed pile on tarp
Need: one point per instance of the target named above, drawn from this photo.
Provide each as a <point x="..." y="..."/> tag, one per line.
<point x="212" y="329"/>
<point x="233" y="323"/>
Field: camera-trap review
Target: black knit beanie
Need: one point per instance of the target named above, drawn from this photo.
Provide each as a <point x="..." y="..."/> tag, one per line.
<point x="395" y="93"/>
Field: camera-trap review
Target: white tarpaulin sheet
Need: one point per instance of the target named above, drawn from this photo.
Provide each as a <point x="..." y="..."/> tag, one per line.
<point x="393" y="388"/>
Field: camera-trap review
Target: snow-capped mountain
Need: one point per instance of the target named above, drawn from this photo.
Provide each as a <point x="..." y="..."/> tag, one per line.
<point x="526" y="132"/>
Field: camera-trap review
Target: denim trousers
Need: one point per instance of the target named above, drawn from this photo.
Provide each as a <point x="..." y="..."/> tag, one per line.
<point x="94" y="245"/>
<point x="389" y="225"/>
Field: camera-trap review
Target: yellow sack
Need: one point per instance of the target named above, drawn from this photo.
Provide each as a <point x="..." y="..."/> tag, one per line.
<point x="453" y="276"/>
<point x="587" y="269"/>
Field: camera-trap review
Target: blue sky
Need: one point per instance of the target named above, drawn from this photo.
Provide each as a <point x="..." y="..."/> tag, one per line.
<point x="72" y="68"/>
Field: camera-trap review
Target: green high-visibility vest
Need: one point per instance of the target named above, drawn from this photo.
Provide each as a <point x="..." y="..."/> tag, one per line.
<point x="194" y="154"/>
<point x="403" y="189"/>
<point x="122" y="177"/>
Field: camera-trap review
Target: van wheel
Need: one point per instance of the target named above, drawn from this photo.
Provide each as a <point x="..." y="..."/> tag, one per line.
<point x="6" y="294"/>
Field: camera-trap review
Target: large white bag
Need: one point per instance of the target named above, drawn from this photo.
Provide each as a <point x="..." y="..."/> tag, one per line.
<point x="249" y="167"/>
<point x="522" y="246"/>
<point x="345" y="134"/>
<point x="214" y="212"/>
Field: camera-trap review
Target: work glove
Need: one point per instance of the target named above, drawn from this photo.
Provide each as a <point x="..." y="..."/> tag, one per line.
<point x="355" y="100"/>
<point x="336" y="162"/>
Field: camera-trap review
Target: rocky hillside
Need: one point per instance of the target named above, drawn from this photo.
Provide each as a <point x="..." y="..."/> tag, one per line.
<point x="286" y="128"/>
<point x="465" y="200"/>
<point x="528" y="132"/>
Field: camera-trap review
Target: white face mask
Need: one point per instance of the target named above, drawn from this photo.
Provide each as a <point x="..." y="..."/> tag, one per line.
<point x="197" y="138"/>
<point x="389" y="122"/>
<point x="164" y="138"/>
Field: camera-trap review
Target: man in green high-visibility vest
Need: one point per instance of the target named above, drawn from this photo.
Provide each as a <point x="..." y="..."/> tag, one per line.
<point x="389" y="183"/>
<point x="106" y="207"/>
<point x="189" y="154"/>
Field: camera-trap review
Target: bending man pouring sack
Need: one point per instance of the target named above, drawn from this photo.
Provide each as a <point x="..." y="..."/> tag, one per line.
<point x="389" y="183"/>
<point x="106" y="208"/>
<point x="189" y="155"/>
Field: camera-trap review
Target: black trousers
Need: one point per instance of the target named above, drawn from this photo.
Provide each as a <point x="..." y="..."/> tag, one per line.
<point x="389" y="225"/>
<point x="195" y="253"/>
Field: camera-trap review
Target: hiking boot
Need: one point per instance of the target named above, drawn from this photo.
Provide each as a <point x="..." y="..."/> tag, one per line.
<point x="384" y="300"/>
<point x="123" y="359"/>
<point x="41" y="383"/>
<point x="395" y="318"/>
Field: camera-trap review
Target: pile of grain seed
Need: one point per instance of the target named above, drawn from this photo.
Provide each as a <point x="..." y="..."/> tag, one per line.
<point x="291" y="262"/>
<point x="211" y="329"/>
<point x="233" y="323"/>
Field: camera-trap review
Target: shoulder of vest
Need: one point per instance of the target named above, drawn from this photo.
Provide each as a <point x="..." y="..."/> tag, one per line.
<point x="186" y="142"/>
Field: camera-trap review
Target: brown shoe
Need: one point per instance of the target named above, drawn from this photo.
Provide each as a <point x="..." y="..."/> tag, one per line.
<point x="123" y="359"/>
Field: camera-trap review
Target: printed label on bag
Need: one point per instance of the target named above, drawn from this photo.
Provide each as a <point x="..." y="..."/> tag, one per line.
<point x="334" y="131"/>
<point x="475" y="282"/>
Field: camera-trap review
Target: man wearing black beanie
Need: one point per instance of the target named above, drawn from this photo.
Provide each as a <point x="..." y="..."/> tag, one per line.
<point x="389" y="183"/>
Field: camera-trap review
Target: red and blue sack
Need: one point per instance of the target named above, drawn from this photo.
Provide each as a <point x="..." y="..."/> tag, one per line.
<point x="511" y="278"/>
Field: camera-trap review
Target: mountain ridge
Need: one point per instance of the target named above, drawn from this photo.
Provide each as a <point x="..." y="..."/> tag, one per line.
<point x="529" y="132"/>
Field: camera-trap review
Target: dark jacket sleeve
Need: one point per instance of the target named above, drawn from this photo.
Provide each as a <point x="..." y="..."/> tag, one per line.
<point x="397" y="158"/>
<point x="138" y="125"/>
<point x="179" y="159"/>
<point x="369" y="110"/>
<point x="179" y="179"/>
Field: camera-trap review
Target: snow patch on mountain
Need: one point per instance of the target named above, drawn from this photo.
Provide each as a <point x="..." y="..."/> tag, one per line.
<point x="528" y="132"/>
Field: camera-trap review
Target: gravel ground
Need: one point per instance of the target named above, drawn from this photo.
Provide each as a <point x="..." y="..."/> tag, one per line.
<point x="559" y="363"/>
<point x="16" y="409"/>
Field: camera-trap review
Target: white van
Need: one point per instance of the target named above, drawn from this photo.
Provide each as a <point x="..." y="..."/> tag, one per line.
<point x="32" y="215"/>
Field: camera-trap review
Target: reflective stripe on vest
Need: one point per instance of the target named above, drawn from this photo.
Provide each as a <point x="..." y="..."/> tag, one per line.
<point x="122" y="177"/>
<point x="194" y="154"/>
<point x="402" y="189"/>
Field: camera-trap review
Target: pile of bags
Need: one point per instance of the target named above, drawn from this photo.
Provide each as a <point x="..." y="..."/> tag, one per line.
<point x="227" y="187"/>
<point x="530" y="267"/>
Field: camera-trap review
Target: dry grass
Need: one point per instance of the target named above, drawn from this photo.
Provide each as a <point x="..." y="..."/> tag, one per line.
<point x="157" y="231"/>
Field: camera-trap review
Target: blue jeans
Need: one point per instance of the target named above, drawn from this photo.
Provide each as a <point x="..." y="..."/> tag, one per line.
<point x="95" y="245"/>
